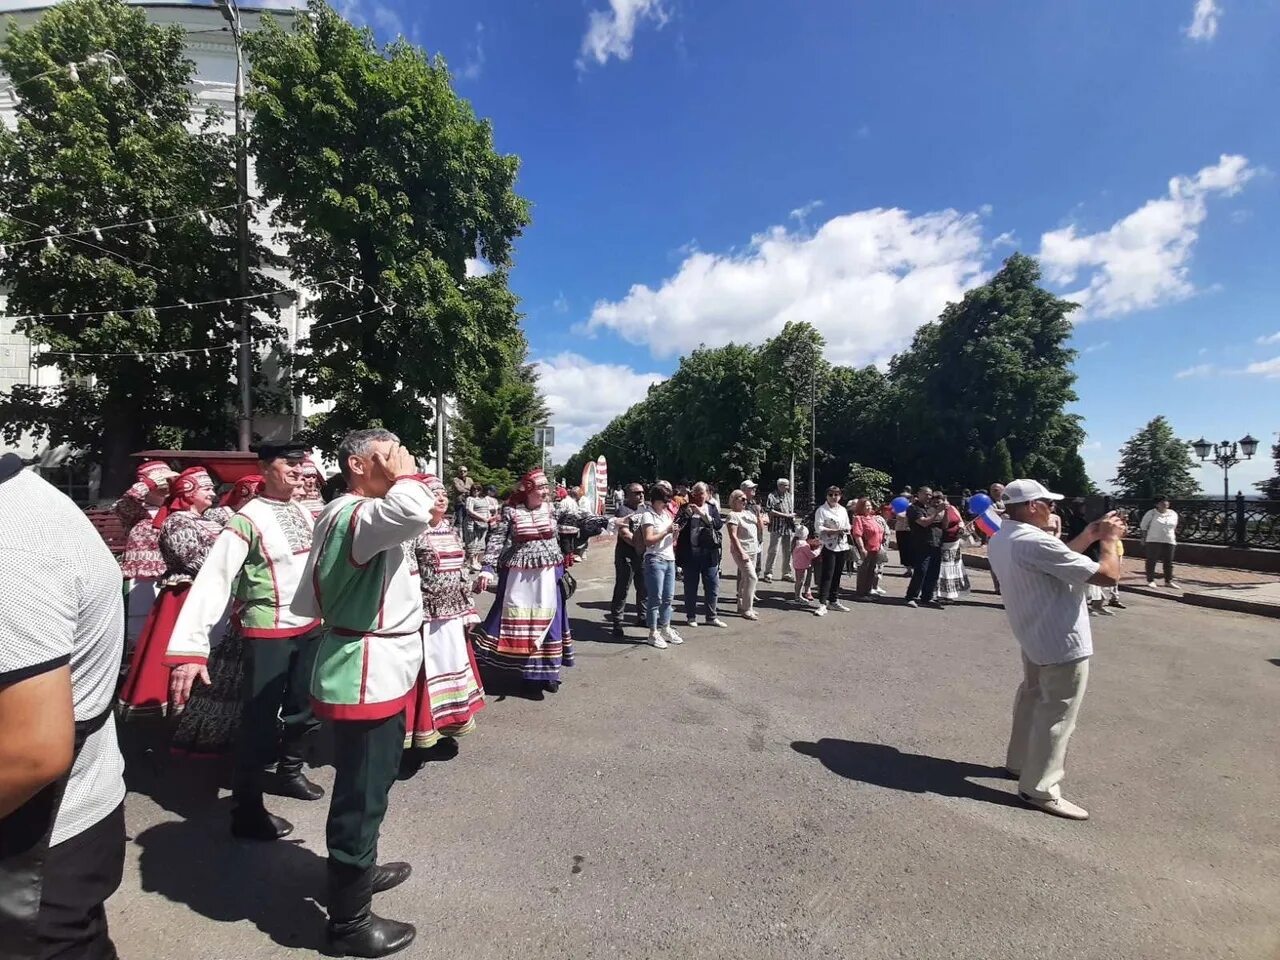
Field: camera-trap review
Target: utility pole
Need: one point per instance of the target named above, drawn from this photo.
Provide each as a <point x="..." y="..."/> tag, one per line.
<point x="440" y="435"/>
<point x="231" y="11"/>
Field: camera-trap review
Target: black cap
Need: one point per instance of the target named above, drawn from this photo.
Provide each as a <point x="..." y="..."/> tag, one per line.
<point x="274" y="451"/>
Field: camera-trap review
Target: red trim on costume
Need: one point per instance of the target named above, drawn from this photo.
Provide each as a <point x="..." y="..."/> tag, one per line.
<point x="271" y="568"/>
<point x="178" y="661"/>
<point x="364" y="668"/>
<point x="277" y="633"/>
<point x="351" y="533"/>
<point x="358" y="711"/>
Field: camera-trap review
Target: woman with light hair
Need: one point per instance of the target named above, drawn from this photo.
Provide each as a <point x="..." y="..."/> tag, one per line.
<point x="744" y="544"/>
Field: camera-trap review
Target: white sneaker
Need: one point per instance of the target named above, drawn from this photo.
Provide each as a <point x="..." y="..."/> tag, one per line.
<point x="691" y="622"/>
<point x="820" y="610"/>
<point x="717" y="622"/>
<point x="767" y="578"/>
<point x="669" y="634"/>
<point x="1059" y="807"/>
<point x="880" y="593"/>
<point x="1172" y="585"/>
<point x="655" y="640"/>
<point x="839" y="606"/>
<point x="751" y="615"/>
<point x="1151" y="583"/>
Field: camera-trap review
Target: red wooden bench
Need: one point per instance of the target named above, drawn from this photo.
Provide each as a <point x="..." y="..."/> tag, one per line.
<point x="109" y="528"/>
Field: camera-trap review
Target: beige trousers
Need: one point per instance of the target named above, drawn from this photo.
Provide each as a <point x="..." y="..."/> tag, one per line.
<point x="747" y="580"/>
<point x="1044" y="717"/>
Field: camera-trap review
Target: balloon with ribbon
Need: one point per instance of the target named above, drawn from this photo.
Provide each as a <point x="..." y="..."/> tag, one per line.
<point x="978" y="503"/>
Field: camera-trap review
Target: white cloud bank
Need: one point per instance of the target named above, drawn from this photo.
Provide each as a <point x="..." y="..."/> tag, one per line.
<point x="1204" y="20"/>
<point x="1142" y="261"/>
<point x="584" y="396"/>
<point x="866" y="280"/>
<point x="611" y="33"/>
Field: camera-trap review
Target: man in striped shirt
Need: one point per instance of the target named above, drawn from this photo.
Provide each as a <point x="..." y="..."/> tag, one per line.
<point x="1044" y="597"/>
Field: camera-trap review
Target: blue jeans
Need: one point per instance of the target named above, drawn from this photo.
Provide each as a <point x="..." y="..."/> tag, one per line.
<point x="660" y="585"/>
<point x="708" y="571"/>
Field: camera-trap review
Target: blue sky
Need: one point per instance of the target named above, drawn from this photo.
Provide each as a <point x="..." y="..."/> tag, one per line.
<point x="703" y="171"/>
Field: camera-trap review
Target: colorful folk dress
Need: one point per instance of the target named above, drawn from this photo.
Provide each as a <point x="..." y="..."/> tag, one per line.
<point x="185" y="540"/>
<point x="448" y="695"/>
<point x="527" y="630"/>
<point x="141" y="565"/>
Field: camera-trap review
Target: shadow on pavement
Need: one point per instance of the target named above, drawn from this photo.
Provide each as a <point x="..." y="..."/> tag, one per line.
<point x="885" y="766"/>
<point x="1274" y="660"/>
<point x="274" y="886"/>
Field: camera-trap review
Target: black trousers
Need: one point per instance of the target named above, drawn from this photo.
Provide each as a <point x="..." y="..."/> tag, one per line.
<point x="366" y="759"/>
<point x="1161" y="553"/>
<point x="628" y="568"/>
<point x="277" y="710"/>
<point x="830" y="566"/>
<point x="924" y="574"/>
<point x="79" y="875"/>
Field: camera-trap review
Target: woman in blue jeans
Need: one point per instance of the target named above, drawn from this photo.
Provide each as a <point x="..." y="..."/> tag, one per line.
<point x="658" y="535"/>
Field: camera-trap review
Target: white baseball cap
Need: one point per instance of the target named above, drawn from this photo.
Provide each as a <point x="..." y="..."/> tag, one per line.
<point x="748" y="485"/>
<point x="1024" y="491"/>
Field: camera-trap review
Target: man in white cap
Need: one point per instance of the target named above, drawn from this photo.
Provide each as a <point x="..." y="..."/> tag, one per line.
<point x="748" y="488"/>
<point x="1044" y="584"/>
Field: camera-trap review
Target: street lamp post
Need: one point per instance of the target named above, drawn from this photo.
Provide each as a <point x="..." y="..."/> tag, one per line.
<point x="1226" y="454"/>
<point x="231" y="11"/>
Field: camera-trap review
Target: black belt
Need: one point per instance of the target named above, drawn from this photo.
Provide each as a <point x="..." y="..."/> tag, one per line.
<point x="24" y="844"/>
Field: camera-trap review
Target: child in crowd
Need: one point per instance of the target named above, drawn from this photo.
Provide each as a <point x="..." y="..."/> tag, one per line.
<point x="804" y="551"/>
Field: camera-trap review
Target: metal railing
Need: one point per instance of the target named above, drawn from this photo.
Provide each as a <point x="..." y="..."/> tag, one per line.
<point x="1240" y="523"/>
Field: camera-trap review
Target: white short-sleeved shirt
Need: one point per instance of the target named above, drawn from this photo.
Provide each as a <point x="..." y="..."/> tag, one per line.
<point x="1042" y="582"/>
<point x="748" y="531"/>
<point x="665" y="547"/>
<point x="62" y="604"/>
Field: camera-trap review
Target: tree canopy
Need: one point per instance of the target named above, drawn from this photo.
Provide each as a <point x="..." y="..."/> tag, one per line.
<point x="1154" y="463"/>
<point x="383" y="173"/>
<point x="1270" y="488"/>
<point x="118" y="140"/>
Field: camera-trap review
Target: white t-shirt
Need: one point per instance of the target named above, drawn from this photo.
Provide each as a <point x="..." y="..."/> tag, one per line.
<point x="748" y="530"/>
<point x="1043" y="584"/>
<point x="832" y="526"/>
<point x="665" y="547"/>
<point x="62" y="604"/>
<point x="1160" y="527"/>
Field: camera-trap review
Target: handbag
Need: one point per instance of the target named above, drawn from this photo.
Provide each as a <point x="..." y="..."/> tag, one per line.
<point x="568" y="585"/>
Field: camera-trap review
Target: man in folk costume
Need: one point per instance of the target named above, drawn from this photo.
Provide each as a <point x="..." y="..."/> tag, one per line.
<point x="359" y="580"/>
<point x="142" y="564"/>
<point x="257" y="563"/>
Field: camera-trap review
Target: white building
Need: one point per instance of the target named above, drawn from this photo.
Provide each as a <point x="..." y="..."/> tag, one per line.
<point x="212" y="49"/>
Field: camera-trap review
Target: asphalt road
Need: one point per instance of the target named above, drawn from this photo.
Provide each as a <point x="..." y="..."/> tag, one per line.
<point x="792" y="787"/>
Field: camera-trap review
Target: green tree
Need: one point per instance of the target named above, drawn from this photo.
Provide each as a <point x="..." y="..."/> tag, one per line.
<point x="790" y="375"/>
<point x="863" y="481"/>
<point x="624" y="445"/>
<point x="1154" y="462"/>
<point x="1270" y="489"/>
<point x="854" y="425"/>
<point x="994" y="368"/>
<point x="394" y="181"/>
<point x="493" y="435"/>
<point x="113" y="146"/>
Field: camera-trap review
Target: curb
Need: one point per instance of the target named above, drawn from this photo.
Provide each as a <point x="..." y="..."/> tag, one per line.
<point x="1233" y="604"/>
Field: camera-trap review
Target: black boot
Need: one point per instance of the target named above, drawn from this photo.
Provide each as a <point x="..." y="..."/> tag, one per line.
<point x="354" y="930"/>
<point x="250" y="821"/>
<point x="290" y="781"/>
<point x="388" y="875"/>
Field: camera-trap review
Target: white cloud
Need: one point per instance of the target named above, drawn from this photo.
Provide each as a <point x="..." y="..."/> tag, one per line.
<point x="1006" y="239"/>
<point x="1095" y="347"/>
<point x="561" y="303"/>
<point x="1204" y="20"/>
<point x="611" y="33"/>
<point x="801" y="214"/>
<point x="584" y="396"/>
<point x="1142" y="260"/>
<point x="473" y="66"/>
<point x="476" y="267"/>
<point x="866" y="280"/>
<point x="1199" y="370"/>
<point x="1265" y="368"/>
<point x="1272" y="338"/>
<point x="373" y="13"/>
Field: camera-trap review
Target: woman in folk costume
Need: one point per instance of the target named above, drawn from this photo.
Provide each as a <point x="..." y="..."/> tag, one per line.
<point x="187" y="528"/>
<point x="210" y="721"/>
<point x="309" y="493"/>
<point x="142" y="564"/>
<point x="527" y="630"/>
<point x="448" y="694"/>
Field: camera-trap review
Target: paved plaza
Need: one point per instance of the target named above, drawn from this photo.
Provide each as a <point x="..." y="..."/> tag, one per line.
<point x="796" y="787"/>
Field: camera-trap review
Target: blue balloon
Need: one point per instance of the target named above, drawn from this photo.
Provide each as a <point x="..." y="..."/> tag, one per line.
<point x="979" y="503"/>
<point x="900" y="504"/>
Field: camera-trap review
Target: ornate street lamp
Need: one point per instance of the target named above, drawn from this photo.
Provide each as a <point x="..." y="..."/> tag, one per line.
<point x="1226" y="454"/>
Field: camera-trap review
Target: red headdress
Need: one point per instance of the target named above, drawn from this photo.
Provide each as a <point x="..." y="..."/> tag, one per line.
<point x="246" y="489"/>
<point x="180" y="492"/>
<point x="528" y="482"/>
<point x="309" y="469"/>
<point x="155" y="474"/>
